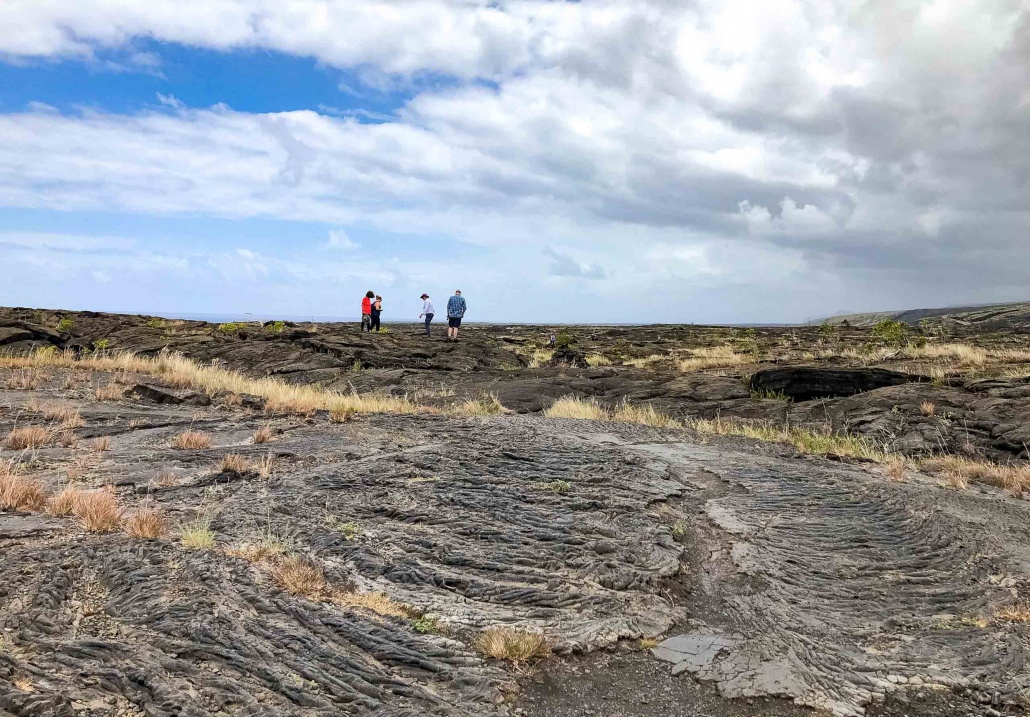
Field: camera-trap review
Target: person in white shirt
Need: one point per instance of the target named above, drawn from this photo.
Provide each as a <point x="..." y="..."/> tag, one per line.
<point x="427" y="312"/>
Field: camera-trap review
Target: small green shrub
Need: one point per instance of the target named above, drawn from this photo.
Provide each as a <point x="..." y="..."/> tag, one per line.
<point x="101" y="344"/>
<point x="383" y="330"/>
<point x="233" y="327"/>
<point x="65" y="325"/>
<point x="555" y="486"/>
<point x="890" y="332"/>
<point x="769" y="394"/>
<point x="564" y="340"/>
<point x="156" y="323"/>
<point x="425" y="625"/>
<point x="277" y="327"/>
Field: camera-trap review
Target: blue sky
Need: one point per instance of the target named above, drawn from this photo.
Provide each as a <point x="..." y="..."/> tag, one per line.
<point x="603" y="161"/>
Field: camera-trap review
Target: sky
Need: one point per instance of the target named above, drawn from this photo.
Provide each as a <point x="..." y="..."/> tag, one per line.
<point x="613" y="161"/>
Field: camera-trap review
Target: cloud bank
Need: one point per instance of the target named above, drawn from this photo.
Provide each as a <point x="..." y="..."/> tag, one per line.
<point x="723" y="160"/>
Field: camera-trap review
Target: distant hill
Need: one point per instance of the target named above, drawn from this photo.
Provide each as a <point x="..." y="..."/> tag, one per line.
<point x="989" y="317"/>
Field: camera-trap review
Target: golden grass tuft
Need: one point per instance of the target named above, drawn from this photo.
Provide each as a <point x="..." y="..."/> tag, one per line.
<point x="235" y="463"/>
<point x="27" y="437"/>
<point x="300" y="576"/>
<point x="191" y="440"/>
<point x="540" y="357"/>
<point x="197" y="534"/>
<point x="897" y="467"/>
<point x="101" y="444"/>
<point x="147" y="523"/>
<point x="19" y="492"/>
<point x="341" y="414"/>
<point x="513" y="644"/>
<point x="927" y="408"/>
<point x="263" y="435"/>
<point x="110" y="392"/>
<point x="645" y="361"/>
<point x="572" y="407"/>
<point x="98" y="511"/>
<point x="67" y="416"/>
<point x="63" y="502"/>
<point x="1014" y="613"/>
<point x="713" y="357"/>
<point x="181" y="372"/>
<point x="379" y="603"/>
<point x="488" y="405"/>
<point x="598" y="360"/>
<point x="646" y="415"/>
<point x="588" y="410"/>
<point x="804" y="440"/>
<point x="958" y="471"/>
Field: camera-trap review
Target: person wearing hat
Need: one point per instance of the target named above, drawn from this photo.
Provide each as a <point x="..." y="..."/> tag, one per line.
<point x="427" y="311"/>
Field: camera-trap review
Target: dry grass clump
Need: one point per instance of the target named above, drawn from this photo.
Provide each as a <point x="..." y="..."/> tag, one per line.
<point x="646" y="415"/>
<point x="645" y="361"/>
<point x="713" y="357"/>
<point x="1014" y="613"/>
<point x="182" y="372"/>
<point x="27" y="437"/>
<point x="110" y="392"/>
<point x="101" y="444"/>
<point x="263" y="434"/>
<point x="147" y="522"/>
<point x="191" y="440"/>
<point x="514" y="644"/>
<point x="897" y="467"/>
<point x="63" y="503"/>
<point x="197" y="534"/>
<point x="804" y="440"/>
<point x="234" y="463"/>
<point x="598" y="360"/>
<point x="379" y="603"/>
<point x="18" y="492"/>
<point x="959" y="471"/>
<point x="300" y="576"/>
<point x="588" y="410"/>
<point x="341" y="414"/>
<point x="488" y="405"/>
<point x="927" y="408"/>
<point x="572" y="407"/>
<point x="68" y="416"/>
<point x="98" y="511"/>
<point x="540" y="357"/>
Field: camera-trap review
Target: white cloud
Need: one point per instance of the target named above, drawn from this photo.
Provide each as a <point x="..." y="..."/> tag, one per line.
<point x="338" y="239"/>
<point x="651" y="138"/>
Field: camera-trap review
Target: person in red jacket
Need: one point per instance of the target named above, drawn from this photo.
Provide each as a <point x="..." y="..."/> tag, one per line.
<point x="366" y="312"/>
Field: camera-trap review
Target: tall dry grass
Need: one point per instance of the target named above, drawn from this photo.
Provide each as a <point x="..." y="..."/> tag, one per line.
<point x="588" y="410"/>
<point x="182" y="372"/>
<point x="713" y="357"/>
<point x="805" y="440"/>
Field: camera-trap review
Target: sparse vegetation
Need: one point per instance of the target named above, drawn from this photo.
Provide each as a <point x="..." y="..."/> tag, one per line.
<point x="927" y="408"/>
<point x="890" y="332"/>
<point x="101" y="344"/>
<point x="147" y="523"/>
<point x="235" y="463"/>
<point x="513" y="644"/>
<point x="232" y="327"/>
<point x="646" y="415"/>
<point x="263" y="435"/>
<point x="588" y="410"/>
<point x="63" y="502"/>
<point x="65" y="325"/>
<point x="426" y="625"/>
<point x="110" y="392"/>
<point x="19" y="492"/>
<point x="804" y="440"/>
<point x="156" y="323"/>
<point x="598" y="360"/>
<point x="712" y="357"/>
<point x="958" y="471"/>
<point x="377" y="602"/>
<point x="98" y="511"/>
<point x="101" y="444"/>
<point x="197" y="534"/>
<point x="572" y="407"/>
<point x="26" y="437"/>
<point x="300" y="576"/>
<point x="191" y="440"/>
<point x="277" y="327"/>
<point x="1019" y="613"/>
<point x="483" y="406"/>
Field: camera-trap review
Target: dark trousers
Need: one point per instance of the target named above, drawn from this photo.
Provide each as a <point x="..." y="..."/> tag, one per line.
<point x="429" y="320"/>
<point x="375" y="323"/>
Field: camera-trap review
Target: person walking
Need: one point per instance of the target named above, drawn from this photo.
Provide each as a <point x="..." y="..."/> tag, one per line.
<point x="377" y="309"/>
<point x="366" y="312"/>
<point x="427" y="312"/>
<point x="455" y="310"/>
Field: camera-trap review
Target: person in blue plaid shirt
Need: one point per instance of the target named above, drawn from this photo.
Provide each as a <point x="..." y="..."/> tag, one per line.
<point x="455" y="310"/>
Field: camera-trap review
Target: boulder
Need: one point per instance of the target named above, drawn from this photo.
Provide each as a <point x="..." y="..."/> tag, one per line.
<point x="803" y="383"/>
<point x="161" y="394"/>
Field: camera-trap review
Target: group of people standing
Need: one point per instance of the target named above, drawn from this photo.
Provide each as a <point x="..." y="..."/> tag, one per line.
<point x="372" y="309"/>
